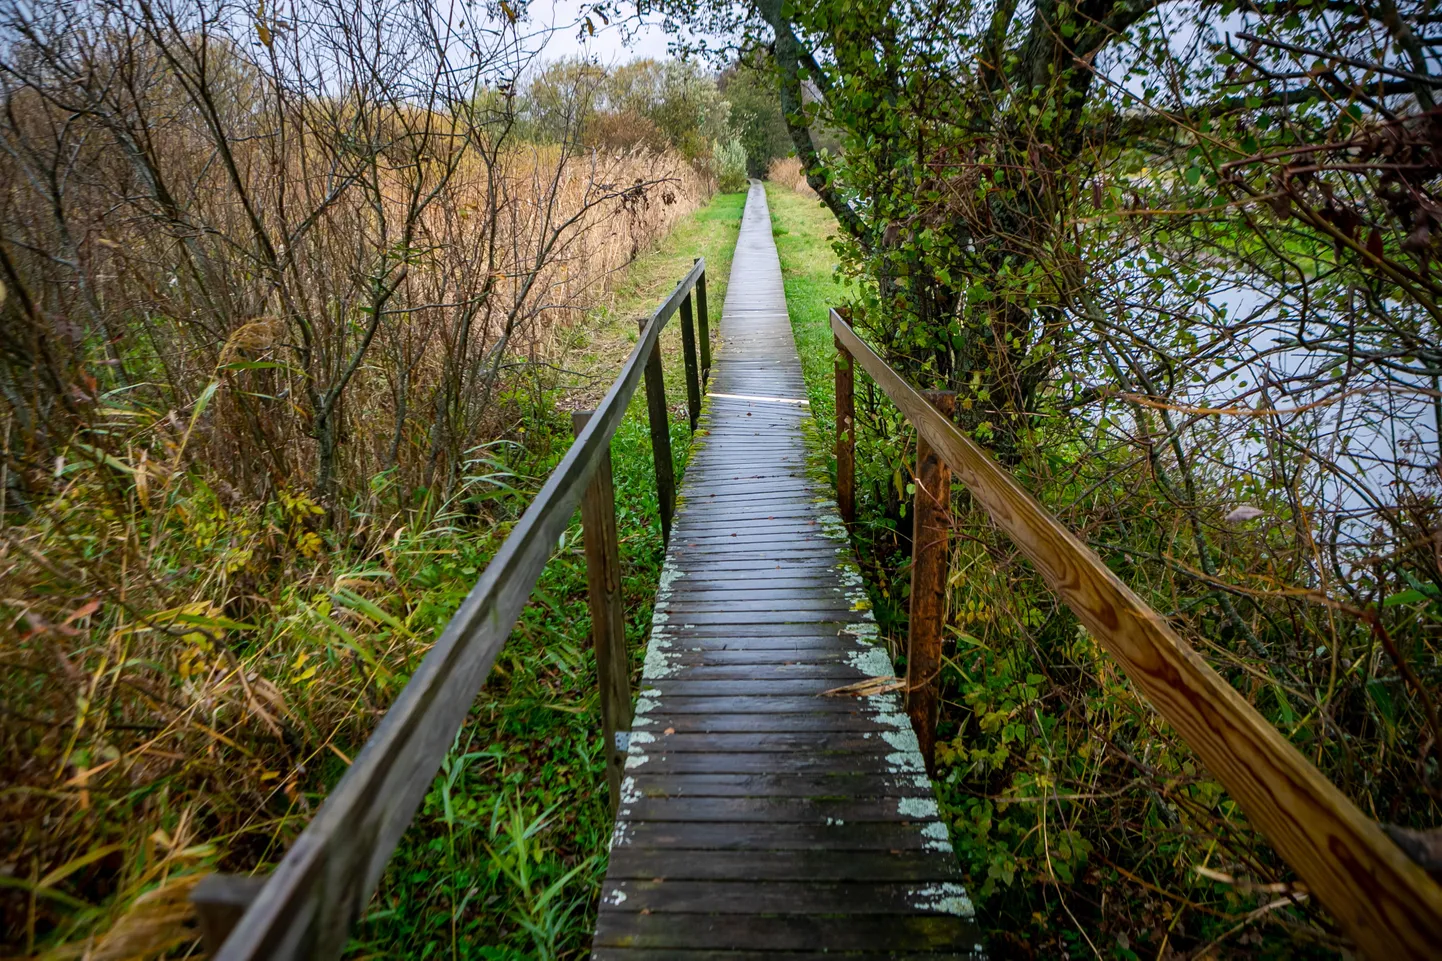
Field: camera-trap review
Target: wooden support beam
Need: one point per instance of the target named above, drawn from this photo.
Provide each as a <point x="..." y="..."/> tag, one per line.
<point x="219" y="901"/>
<point x="845" y="434"/>
<point x="703" y="325"/>
<point x="608" y="611"/>
<point x="693" y="375"/>
<point x="930" y="537"/>
<point x="660" y="439"/>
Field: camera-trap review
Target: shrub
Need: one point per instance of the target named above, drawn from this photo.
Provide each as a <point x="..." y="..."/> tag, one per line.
<point x="730" y="158"/>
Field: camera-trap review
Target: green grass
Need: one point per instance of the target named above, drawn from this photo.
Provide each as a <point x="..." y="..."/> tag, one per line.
<point x="803" y="228"/>
<point x="505" y="858"/>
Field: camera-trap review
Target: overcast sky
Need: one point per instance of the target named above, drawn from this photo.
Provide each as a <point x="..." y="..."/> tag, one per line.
<point x="607" y="46"/>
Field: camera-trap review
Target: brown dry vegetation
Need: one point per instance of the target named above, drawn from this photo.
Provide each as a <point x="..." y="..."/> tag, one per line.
<point x="274" y="314"/>
<point x="787" y="172"/>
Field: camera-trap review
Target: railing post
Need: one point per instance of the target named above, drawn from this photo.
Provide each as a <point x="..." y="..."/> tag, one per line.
<point x="703" y="327"/>
<point x="660" y="439"/>
<point x="608" y="612"/>
<point x="845" y="434"/>
<point x="693" y="377"/>
<point x="219" y="901"/>
<point x="931" y="528"/>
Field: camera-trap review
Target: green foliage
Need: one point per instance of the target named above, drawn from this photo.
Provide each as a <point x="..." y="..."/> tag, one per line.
<point x="750" y="87"/>
<point x="730" y="163"/>
<point x="1059" y="781"/>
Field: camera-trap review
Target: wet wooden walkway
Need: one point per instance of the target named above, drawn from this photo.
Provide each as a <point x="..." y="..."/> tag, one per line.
<point x="763" y="816"/>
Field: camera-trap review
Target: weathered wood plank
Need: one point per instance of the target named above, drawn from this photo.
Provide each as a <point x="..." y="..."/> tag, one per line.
<point x="785" y="897"/>
<point x="790" y="762"/>
<point x="776" y="810"/>
<point x="682" y="954"/>
<point x="839" y="866"/>
<point x="773" y="784"/>
<point x="758" y="741"/>
<point x="793" y="932"/>
<point x="800" y="704"/>
<point x="746" y="836"/>
<point x="767" y="723"/>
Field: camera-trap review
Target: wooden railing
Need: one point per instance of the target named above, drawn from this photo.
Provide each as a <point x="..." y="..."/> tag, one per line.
<point x="1386" y="903"/>
<point x="306" y="908"/>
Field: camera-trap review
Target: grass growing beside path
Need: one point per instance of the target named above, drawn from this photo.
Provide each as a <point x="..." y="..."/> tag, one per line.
<point x="505" y="858"/>
<point x="802" y="228"/>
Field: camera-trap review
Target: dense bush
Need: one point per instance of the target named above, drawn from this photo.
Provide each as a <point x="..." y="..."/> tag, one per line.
<point x="730" y="161"/>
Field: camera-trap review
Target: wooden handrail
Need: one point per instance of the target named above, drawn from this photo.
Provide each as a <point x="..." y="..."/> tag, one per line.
<point x="320" y="889"/>
<point x="1386" y="903"/>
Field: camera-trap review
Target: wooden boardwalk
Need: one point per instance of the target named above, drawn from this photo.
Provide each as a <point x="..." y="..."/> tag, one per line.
<point x="762" y="817"/>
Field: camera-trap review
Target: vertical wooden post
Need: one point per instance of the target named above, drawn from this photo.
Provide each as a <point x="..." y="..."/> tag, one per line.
<point x="660" y="439"/>
<point x="608" y="612"/>
<point x="693" y="377"/>
<point x="703" y="327"/>
<point x="931" y="527"/>
<point x="219" y="901"/>
<point x="845" y="434"/>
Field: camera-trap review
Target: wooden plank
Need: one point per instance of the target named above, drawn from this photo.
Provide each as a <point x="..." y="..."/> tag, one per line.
<point x="794" y="762"/>
<point x="1386" y="903"/>
<point x="745" y="836"/>
<point x="641" y="864"/>
<point x="768" y="621"/>
<point x="769" y="741"/>
<point x="799" y="588"/>
<point x="608" y="611"/>
<point x="773" y="784"/>
<point x="793" y="637"/>
<point x="680" y="954"/>
<point x="756" y="598"/>
<point x="866" y="932"/>
<point x="754" y="705"/>
<point x="769" y="722"/>
<point x="767" y="686"/>
<point x="836" y="671"/>
<point x="711" y="656"/>
<point x="781" y="897"/>
<point x="771" y="809"/>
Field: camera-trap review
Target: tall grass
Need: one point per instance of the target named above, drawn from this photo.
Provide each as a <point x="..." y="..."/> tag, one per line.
<point x="788" y="172"/>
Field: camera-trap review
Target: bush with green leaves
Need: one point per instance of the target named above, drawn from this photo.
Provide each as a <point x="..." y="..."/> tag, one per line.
<point x="730" y="160"/>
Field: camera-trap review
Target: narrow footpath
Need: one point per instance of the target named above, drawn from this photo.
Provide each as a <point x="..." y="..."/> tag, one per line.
<point x="764" y="814"/>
